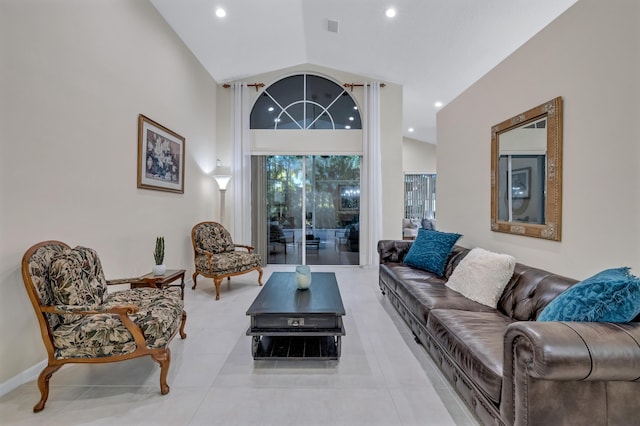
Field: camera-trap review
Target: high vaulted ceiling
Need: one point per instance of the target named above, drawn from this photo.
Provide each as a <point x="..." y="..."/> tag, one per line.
<point x="434" y="48"/>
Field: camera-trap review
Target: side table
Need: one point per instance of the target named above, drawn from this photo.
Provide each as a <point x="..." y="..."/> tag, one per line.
<point x="161" y="281"/>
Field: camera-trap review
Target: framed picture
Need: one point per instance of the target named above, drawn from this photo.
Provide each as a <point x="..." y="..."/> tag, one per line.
<point x="160" y="157"/>
<point x="349" y="197"/>
<point x="520" y="182"/>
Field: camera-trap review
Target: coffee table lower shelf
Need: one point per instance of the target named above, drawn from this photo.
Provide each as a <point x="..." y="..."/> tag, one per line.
<point x="296" y="347"/>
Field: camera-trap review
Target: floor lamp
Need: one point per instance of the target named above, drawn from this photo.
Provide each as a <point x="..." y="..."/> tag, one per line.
<point x="223" y="181"/>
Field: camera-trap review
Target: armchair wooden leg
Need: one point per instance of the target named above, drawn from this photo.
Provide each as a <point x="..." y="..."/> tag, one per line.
<point x="195" y="274"/>
<point x="217" y="282"/>
<point x="183" y="335"/>
<point x="260" y="276"/>
<point x="164" y="359"/>
<point x="43" y="385"/>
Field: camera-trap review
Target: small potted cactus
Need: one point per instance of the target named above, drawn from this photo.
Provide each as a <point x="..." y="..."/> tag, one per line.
<point x="158" y="255"/>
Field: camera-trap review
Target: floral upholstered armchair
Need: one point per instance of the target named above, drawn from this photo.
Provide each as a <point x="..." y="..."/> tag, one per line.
<point x="216" y="255"/>
<point x="81" y="322"/>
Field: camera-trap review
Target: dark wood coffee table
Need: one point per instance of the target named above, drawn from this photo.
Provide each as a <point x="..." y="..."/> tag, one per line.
<point x="287" y="323"/>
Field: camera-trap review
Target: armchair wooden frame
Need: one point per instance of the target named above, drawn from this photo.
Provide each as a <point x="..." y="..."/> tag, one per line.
<point x="217" y="278"/>
<point x="161" y="355"/>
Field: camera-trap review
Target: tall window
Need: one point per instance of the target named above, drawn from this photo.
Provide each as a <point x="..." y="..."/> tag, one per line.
<point x="420" y="196"/>
<point x="305" y="101"/>
<point x="312" y="209"/>
<point x="309" y="205"/>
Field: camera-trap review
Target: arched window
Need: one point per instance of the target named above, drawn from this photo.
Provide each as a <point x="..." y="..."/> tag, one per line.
<point x="305" y="101"/>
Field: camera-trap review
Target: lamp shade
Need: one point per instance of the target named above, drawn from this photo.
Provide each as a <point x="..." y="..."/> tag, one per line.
<point x="223" y="181"/>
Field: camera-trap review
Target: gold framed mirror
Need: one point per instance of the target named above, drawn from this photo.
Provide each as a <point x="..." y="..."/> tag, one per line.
<point x="526" y="173"/>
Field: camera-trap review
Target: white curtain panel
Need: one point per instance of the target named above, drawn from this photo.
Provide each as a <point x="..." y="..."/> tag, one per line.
<point x="241" y="165"/>
<point x="372" y="176"/>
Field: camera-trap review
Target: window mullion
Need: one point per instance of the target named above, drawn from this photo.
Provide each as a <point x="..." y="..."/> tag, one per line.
<point x="304" y="104"/>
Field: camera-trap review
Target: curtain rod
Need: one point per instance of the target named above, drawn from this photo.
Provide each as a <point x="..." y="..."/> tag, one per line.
<point x="352" y="85"/>
<point x="345" y="85"/>
<point x="256" y="85"/>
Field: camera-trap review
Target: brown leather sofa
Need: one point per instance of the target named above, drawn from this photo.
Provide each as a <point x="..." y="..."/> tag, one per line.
<point x="507" y="367"/>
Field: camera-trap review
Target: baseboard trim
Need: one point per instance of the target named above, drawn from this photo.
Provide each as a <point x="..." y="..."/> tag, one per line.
<point x="22" y="378"/>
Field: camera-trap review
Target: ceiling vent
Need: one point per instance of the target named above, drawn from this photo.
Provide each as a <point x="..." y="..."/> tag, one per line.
<point x="332" y="25"/>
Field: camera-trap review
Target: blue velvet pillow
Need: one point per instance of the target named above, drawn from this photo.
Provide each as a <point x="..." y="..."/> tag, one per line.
<point x="612" y="295"/>
<point x="430" y="250"/>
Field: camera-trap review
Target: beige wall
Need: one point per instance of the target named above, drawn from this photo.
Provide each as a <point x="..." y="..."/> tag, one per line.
<point x="75" y="76"/>
<point x="590" y="57"/>
<point x="418" y="157"/>
<point x="391" y="136"/>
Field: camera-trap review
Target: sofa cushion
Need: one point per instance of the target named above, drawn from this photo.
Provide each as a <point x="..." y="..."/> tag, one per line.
<point x="482" y="275"/>
<point x="431" y="250"/>
<point x="612" y="295"/>
<point x="77" y="279"/>
<point x="421" y="297"/>
<point x="428" y="224"/>
<point x="530" y="290"/>
<point x="159" y="316"/>
<point x="421" y="291"/>
<point x="475" y="342"/>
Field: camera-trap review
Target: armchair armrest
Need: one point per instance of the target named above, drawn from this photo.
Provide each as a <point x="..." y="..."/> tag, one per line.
<point x="249" y="248"/>
<point x="575" y="350"/>
<point x="201" y="251"/>
<point x="209" y="255"/>
<point x="89" y="309"/>
<point x="123" y="311"/>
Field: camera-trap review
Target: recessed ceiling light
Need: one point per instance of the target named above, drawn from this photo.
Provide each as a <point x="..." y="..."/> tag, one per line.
<point x="438" y="104"/>
<point x="391" y="12"/>
<point x="270" y="109"/>
<point x="347" y="127"/>
<point x="351" y="118"/>
<point x="220" y="12"/>
<point x="410" y="129"/>
<point x="355" y="107"/>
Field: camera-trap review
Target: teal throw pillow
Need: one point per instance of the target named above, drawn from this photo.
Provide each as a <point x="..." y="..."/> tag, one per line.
<point x="431" y="250"/>
<point x="612" y="295"/>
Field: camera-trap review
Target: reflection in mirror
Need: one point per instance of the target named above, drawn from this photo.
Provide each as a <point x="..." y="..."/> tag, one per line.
<point x="521" y="167"/>
<point x="526" y="173"/>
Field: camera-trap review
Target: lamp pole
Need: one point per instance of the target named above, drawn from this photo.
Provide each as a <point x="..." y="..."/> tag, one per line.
<point x="222" y="181"/>
<point x="222" y="206"/>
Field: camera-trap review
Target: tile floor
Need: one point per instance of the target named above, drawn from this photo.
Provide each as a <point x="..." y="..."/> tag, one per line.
<point x="382" y="378"/>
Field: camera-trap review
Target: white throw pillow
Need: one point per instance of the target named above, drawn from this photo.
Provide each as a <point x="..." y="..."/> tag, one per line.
<point x="482" y="276"/>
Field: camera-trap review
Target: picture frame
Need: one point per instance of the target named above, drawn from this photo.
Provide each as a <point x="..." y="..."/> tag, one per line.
<point x="349" y="197"/>
<point x="160" y="157"/>
<point x="521" y="183"/>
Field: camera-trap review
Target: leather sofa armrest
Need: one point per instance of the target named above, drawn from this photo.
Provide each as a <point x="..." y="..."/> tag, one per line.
<point x="552" y="366"/>
<point x="393" y="250"/>
<point x="574" y="350"/>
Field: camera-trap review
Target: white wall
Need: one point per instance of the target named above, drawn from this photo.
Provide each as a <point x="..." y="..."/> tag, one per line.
<point x="590" y="56"/>
<point x="391" y="137"/>
<point x="418" y="157"/>
<point x="75" y="76"/>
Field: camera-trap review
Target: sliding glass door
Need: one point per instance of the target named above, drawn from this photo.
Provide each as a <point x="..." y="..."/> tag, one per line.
<point x="313" y="209"/>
